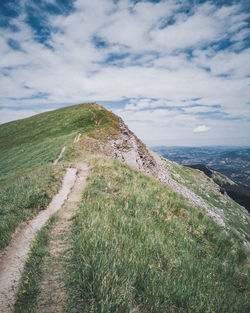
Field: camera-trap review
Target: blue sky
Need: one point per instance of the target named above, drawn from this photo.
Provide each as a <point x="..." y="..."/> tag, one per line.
<point x="176" y="71"/>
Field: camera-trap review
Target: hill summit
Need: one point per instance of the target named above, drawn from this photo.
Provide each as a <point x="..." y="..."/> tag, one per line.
<point x="145" y="234"/>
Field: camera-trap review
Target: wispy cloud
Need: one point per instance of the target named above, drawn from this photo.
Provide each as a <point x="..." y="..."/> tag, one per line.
<point x="157" y="58"/>
<point x="201" y="129"/>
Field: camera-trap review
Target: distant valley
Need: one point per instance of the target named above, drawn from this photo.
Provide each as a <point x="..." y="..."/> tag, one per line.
<point x="234" y="162"/>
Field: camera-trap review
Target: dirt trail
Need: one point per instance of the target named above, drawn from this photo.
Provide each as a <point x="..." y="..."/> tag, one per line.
<point x="53" y="295"/>
<point x="13" y="259"/>
<point x="77" y="138"/>
<point x="60" y="155"/>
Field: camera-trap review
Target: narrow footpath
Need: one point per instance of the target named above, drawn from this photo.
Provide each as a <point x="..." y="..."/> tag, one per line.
<point x="12" y="261"/>
<point x="53" y="294"/>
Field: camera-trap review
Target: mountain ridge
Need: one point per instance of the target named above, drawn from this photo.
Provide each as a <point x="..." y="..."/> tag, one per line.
<point x="144" y="229"/>
<point x="115" y="140"/>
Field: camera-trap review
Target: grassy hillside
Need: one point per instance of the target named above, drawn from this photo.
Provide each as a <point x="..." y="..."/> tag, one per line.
<point x="28" y="147"/>
<point x="236" y="219"/>
<point x="135" y="245"/>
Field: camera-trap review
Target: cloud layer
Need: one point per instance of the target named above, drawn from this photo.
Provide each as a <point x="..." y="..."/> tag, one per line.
<point x="167" y="67"/>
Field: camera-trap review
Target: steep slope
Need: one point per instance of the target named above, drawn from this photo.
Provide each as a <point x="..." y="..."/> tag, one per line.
<point x="239" y="193"/>
<point x="156" y="238"/>
<point x="138" y="246"/>
<point x="193" y="185"/>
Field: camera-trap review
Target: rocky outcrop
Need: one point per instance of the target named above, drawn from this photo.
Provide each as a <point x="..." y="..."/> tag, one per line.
<point x="129" y="149"/>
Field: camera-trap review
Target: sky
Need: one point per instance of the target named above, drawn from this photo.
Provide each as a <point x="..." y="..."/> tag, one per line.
<point x="176" y="71"/>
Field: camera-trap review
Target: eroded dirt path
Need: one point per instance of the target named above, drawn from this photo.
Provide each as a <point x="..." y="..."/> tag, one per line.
<point x="13" y="259"/>
<point x="53" y="295"/>
<point x="60" y="155"/>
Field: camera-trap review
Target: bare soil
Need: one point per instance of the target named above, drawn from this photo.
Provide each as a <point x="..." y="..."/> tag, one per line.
<point x="53" y="295"/>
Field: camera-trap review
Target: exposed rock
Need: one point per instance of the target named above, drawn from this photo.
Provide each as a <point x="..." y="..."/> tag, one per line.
<point x="129" y="149"/>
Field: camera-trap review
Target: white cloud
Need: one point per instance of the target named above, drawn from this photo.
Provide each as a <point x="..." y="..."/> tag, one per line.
<point x="208" y="24"/>
<point x="201" y="129"/>
<point x="74" y="70"/>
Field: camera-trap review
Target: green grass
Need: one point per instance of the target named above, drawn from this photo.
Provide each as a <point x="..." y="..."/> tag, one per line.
<point x="28" y="148"/>
<point x="23" y="198"/>
<point x="237" y="220"/>
<point x="137" y="244"/>
<point x="37" y="140"/>
<point x="26" y="299"/>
